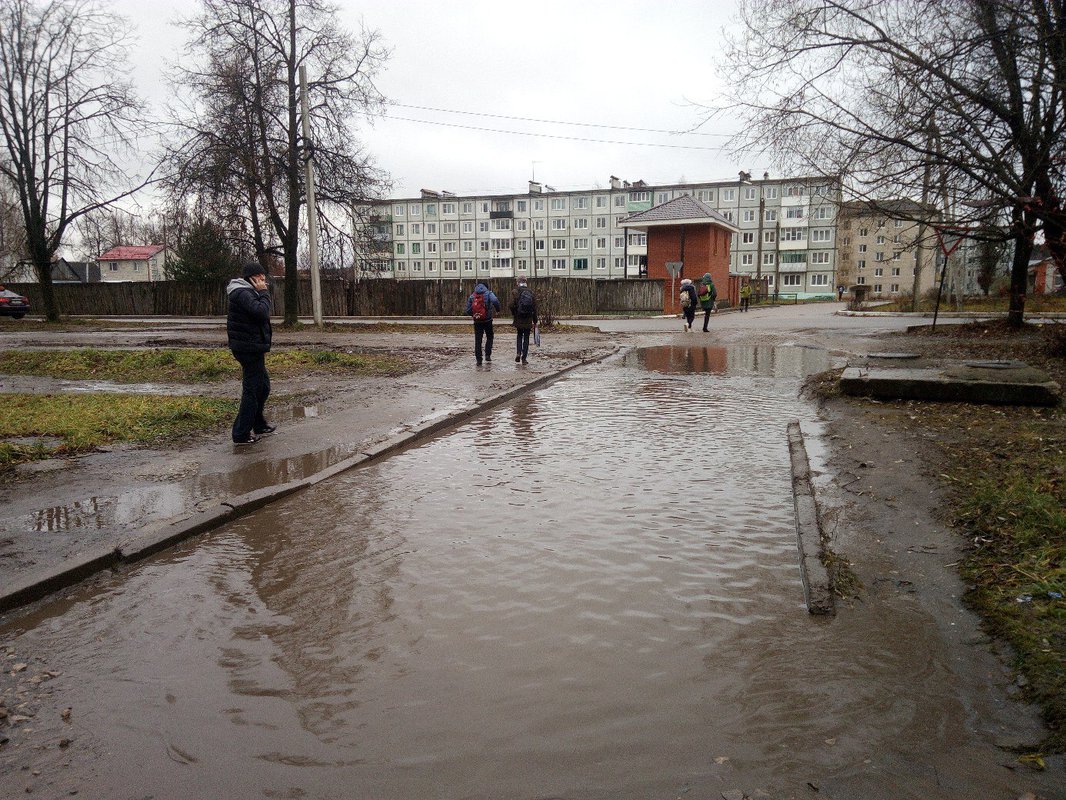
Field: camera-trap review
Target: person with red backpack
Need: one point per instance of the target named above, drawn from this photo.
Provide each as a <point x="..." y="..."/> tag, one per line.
<point x="481" y="305"/>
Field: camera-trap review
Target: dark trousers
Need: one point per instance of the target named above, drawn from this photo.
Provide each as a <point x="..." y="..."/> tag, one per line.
<point x="482" y="330"/>
<point x="690" y="314"/>
<point x="255" y="389"/>
<point x="744" y="303"/>
<point x="523" y="342"/>
<point x="707" y="316"/>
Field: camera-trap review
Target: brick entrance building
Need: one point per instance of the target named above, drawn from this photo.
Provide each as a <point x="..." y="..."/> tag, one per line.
<point x="687" y="231"/>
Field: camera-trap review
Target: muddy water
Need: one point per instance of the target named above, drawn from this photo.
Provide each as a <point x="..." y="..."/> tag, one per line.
<point x="590" y="593"/>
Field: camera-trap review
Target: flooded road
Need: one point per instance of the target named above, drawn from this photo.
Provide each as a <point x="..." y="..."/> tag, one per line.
<point x="590" y="593"/>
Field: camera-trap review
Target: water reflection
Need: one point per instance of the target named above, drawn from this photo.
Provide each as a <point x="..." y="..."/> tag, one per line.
<point x="783" y="362"/>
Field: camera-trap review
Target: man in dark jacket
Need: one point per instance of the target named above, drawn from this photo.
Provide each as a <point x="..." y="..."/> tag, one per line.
<point x="249" y="333"/>
<point x="524" y="310"/>
<point x="481" y="305"/>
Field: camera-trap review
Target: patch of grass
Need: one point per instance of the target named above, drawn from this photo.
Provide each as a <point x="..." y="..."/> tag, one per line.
<point x="185" y="365"/>
<point x="85" y="421"/>
<point x="1035" y="303"/>
<point x="1009" y="499"/>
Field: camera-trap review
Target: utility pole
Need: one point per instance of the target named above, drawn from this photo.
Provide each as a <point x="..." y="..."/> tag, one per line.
<point x="312" y="212"/>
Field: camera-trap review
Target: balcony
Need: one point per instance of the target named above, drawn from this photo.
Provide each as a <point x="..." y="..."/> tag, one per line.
<point x="501" y="215"/>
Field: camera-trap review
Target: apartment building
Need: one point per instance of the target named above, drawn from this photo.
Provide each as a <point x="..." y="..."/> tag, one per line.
<point x="787" y="232"/>
<point x="879" y="248"/>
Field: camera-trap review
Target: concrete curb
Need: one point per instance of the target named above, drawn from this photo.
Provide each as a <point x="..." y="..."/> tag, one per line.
<point x="816" y="590"/>
<point x="154" y="539"/>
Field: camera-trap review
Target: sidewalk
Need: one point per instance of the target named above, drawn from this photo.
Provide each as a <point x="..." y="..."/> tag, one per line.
<point x="76" y="517"/>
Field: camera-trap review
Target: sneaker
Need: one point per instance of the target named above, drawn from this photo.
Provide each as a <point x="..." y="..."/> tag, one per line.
<point x="518" y="358"/>
<point x="524" y="361"/>
<point x="249" y="439"/>
<point x="488" y="357"/>
<point x="269" y="429"/>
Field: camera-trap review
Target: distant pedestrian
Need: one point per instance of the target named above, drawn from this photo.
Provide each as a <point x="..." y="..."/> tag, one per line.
<point x="482" y="305"/>
<point x="840" y="293"/>
<point x="745" y="296"/>
<point x="249" y="333"/>
<point x="688" y="302"/>
<point x="707" y="295"/>
<point x="524" y="312"/>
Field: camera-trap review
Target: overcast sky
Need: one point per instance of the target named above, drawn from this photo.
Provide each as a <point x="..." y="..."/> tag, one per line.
<point x="612" y="63"/>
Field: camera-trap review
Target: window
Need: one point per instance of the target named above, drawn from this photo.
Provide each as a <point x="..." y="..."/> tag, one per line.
<point x="468" y="208"/>
<point x="792" y="279"/>
<point x="894" y="288"/>
<point x="897" y="239"/>
<point x="416" y="229"/>
<point x="468" y="247"/>
<point x="794" y="191"/>
<point x="794" y="213"/>
<point x="619" y="200"/>
<point x="864" y="231"/>
<point x="639" y="197"/>
<point x="820" y="279"/>
<point x="727" y="214"/>
<point x="431" y="247"/>
<point x="769" y="237"/>
<point x="768" y="259"/>
<point x="601" y="201"/>
<point x="878" y="272"/>
<point x="468" y="227"/>
<point x="431" y="227"/>
<point x="113" y="265"/>
<point x="748" y="238"/>
<point x="794" y="235"/>
<point x="581" y="244"/>
<point x="558" y="244"/>
<point x="451" y="266"/>
<point x="879" y="256"/>
<point x="449" y="247"/>
<point x="822" y="235"/>
<point x="793" y="258"/>
<point x="522" y="205"/>
<point x="820" y="258"/>
<point x="416" y="211"/>
<point x="416" y="266"/>
<point x="558" y="263"/>
<point x="501" y="244"/>
<point x="749" y="193"/>
<point x="619" y="241"/>
<point x="522" y="224"/>
<point x="880" y="224"/>
<point x="398" y="228"/>
<point x="619" y="263"/>
<point x="522" y="245"/>
<point x="880" y="240"/>
<point x="771" y="192"/>
<point x="581" y="263"/>
<point x="860" y="264"/>
<point x="483" y="226"/>
<point x="729" y="195"/>
<point x="559" y="224"/>
<point x="538" y="224"/>
<point x="705" y="195"/>
<point x="581" y="202"/>
<point x="448" y="208"/>
<point x="558" y="204"/>
<point x="861" y="280"/>
<point x="468" y="265"/>
<point x="862" y="248"/>
<point x="538" y="205"/>
<point x="897" y="256"/>
<point x="601" y="222"/>
<point x="581" y="224"/>
<point x="398" y="211"/>
<point x="663" y="197"/>
<point x="484" y="208"/>
<point x="747" y="259"/>
<point x="895" y="272"/>
<point x="638" y="239"/>
<point x="483" y="246"/>
<point x="448" y="227"/>
<point x="601" y="242"/>
<point x="770" y="216"/>
<point x="823" y="212"/>
<point x="416" y="248"/>
<point x="501" y="224"/>
<point x="749" y="215"/>
<point x="484" y="264"/>
<point x="431" y="209"/>
<point x="538" y="244"/>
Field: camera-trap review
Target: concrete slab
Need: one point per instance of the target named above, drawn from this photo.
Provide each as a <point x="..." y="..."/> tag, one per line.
<point x="996" y="382"/>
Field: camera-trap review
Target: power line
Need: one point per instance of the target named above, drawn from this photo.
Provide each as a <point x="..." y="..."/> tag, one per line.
<point x="555" y="136"/>
<point x="560" y="122"/>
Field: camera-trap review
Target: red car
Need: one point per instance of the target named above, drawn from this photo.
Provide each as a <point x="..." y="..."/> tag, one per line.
<point x="13" y="305"/>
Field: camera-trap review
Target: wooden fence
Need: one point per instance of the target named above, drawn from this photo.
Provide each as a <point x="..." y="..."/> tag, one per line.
<point x="559" y="297"/>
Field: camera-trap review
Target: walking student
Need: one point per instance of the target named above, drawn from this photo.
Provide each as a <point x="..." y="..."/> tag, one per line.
<point x="249" y="333"/>
<point x="688" y="302"/>
<point x="524" y="313"/>
<point x="707" y="295"/>
<point x="481" y="305"/>
<point x="745" y="296"/>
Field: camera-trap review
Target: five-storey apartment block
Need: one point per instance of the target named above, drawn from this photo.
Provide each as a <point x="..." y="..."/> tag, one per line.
<point x="787" y="232"/>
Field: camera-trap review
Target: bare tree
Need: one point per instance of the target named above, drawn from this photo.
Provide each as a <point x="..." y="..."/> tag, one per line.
<point x="885" y="91"/>
<point x="242" y="148"/>
<point x="68" y="118"/>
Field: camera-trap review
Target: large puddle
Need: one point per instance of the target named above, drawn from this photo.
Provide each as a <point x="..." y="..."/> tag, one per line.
<point x="590" y="593"/>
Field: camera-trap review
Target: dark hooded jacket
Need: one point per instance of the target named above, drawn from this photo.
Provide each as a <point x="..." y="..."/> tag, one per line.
<point x="248" y="320"/>
<point x="523" y="322"/>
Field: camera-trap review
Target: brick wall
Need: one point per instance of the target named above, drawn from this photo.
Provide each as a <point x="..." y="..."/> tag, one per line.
<point x="706" y="249"/>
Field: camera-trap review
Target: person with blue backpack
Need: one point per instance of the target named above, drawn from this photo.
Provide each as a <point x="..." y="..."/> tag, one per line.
<point x="481" y="305"/>
<point x="524" y="312"/>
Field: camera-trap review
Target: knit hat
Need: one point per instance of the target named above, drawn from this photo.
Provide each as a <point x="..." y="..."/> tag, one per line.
<point x="251" y="269"/>
<point x="521" y="280"/>
<point x="686" y="281"/>
<point x="706" y="276"/>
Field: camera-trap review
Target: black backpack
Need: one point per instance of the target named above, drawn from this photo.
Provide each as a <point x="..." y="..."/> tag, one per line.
<point x="525" y="302"/>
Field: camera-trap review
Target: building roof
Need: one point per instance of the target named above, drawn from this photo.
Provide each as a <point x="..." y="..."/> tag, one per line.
<point x="683" y="210"/>
<point x="133" y="253"/>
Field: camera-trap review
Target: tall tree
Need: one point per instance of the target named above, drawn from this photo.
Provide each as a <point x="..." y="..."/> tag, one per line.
<point x="203" y="254"/>
<point x="885" y="90"/>
<point x="243" y="148"/>
<point x="67" y="117"/>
